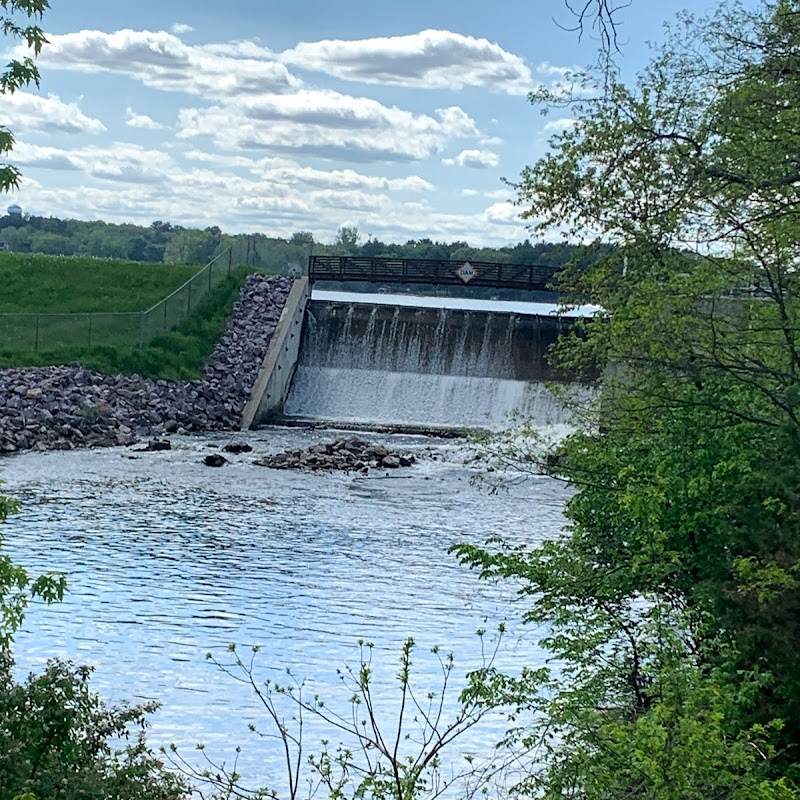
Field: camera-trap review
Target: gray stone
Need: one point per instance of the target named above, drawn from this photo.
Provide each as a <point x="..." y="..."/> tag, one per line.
<point x="71" y="406"/>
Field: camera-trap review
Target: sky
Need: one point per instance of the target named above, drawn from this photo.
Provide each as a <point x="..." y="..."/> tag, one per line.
<point x="401" y="119"/>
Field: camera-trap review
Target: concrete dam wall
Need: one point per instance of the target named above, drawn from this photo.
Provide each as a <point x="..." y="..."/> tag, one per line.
<point x="365" y="363"/>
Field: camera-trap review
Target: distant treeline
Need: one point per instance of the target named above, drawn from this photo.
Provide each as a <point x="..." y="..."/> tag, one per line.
<point x="173" y="244"/>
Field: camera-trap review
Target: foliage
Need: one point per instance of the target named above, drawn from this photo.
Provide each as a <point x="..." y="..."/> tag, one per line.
<point x="163" y="242"/>
<point x="193" y="246"/>
<point x="55" y="741"/>
<point x="16" y="18"/>
<point x="347" y="239"/>
<point x="381" y="755"/>
<point x="672" y="600"/>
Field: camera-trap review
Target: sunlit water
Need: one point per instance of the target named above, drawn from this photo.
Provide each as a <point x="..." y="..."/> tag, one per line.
<point x="168" y="559"/>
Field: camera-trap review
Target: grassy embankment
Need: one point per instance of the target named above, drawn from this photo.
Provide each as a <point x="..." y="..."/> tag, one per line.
<point x="52" y="285"/>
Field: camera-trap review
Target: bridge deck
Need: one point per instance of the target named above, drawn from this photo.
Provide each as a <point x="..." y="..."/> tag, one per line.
<point x="531" y="277"/>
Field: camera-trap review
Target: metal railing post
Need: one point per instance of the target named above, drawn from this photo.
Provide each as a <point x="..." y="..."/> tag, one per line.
<point x="36" y="345"/>
<point x="141" y="330"/>
<point x="90" y="328"/>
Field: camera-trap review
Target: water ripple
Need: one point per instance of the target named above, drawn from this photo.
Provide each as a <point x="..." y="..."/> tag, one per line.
<point x="167" y="559"/>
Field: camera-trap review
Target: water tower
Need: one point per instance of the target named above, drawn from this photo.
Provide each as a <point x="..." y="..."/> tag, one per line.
<point x="14" y="211"/>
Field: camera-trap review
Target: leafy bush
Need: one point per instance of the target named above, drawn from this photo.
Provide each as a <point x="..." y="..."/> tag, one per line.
<point x="56" y="740"/>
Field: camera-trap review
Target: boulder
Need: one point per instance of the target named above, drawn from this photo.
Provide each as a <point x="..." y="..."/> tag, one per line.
<point x="341" y="455"/>
<point x="71" y="406"/>
<point x="238" y="447"/>
<point x="155" y="445"/>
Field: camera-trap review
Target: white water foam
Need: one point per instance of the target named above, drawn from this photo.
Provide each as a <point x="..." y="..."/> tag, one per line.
<point x="425" y="367"/>
<point x="420" y="399"/>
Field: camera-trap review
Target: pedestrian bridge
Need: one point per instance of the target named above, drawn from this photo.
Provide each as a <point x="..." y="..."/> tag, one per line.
<point x="432" y="272"/>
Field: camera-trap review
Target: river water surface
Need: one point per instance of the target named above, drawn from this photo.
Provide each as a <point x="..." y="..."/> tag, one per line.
<point x="167" y="560"/>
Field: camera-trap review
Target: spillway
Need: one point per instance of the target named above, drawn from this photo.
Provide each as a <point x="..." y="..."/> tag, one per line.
<point x="433" y="367"/>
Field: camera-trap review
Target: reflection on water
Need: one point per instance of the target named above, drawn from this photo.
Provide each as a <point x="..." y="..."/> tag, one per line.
<point x="167" y="559"/>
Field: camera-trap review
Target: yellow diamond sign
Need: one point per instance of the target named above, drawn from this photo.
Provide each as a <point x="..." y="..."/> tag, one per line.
<point x="467" y="272"/>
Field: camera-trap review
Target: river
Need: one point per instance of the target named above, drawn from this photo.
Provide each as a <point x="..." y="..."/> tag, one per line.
<point x="167" y="560"/>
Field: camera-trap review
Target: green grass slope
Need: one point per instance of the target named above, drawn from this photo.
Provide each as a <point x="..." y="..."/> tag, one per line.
<point x="176" y="355"/>
<point x="67" y="284"/>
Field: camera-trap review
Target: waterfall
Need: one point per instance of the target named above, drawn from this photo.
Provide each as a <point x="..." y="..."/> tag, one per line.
<point x="384" y="364"/>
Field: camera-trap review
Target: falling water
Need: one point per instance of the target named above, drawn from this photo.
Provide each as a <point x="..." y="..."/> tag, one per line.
<point x="387" y="364"/>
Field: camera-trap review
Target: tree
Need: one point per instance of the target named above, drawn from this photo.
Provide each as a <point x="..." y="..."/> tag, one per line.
<point x="193" y="246"/>
<point x="601" y="16"/>
<point x="58" y="739"/>
<point x="347" y="237"/>
<point x="382" y="755"/>
<point x="15" y="18"/>
<point x="302" y="239"/>
<point x="672" y="600"/>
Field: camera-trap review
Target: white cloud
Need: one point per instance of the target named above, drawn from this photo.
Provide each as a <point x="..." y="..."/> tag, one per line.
<point x="252" y="143"/>
<point x="559" y="125"/>
<point x="327" y="124"/>
<point x="181" y="27"/>
<point x="494" y="194"/>
<point x="32" y="112"/>
<point x="30" y="155"/>
<point x="119" y="162"/>
<point x="434" y="59"/>
<point x="141" y="121"/>
<point x="124" y="162"/>
<point x="237" y="162"/>
<point x="498" y="194"/>
<point x="277" y="198"/>
<point x="241" y="206"/>
<point x="553" y="71"/>
<point x="502" y="213"/>
<point x="289" y="172"/>
<point x="478" y="159"/>
<point x="457" y="122"/>
<point x="162" y="61"/>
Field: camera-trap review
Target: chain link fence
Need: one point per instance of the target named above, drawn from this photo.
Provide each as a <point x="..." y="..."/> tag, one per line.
<point x="47" y="332"/>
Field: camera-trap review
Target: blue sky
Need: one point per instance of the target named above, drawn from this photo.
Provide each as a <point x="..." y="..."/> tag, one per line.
<point x="398" y="118"/>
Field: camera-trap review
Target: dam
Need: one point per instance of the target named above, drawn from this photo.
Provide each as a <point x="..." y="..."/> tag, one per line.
<point x="404" y="358"/>
<point x="365" y="362"/>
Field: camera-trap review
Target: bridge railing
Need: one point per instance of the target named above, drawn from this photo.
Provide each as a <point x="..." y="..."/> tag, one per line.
<point x="533" y="277"/>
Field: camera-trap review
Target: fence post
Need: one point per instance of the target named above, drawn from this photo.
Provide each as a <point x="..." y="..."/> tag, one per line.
<point x="36" y="345"/>
<point x="141" y="330"/>
<point x="165" y="313"/>
<point x="189" y="298"/>
<point x="209" y="277"/>
<point x="90" y="328"/>
<point x="230" y="259"/>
